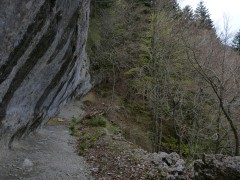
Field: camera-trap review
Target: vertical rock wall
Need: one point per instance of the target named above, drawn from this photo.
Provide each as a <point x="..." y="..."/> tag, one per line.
<point x="42" y="61"/>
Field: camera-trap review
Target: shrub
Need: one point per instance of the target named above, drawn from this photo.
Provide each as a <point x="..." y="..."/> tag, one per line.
<point x="97" y="121"/>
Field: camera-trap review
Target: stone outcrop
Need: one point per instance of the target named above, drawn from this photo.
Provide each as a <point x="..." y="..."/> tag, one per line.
<point x="170" y="166"/>
<point x="43" y="63"/>
<point x="210" y="167"/>
<point x="217" y="167"/>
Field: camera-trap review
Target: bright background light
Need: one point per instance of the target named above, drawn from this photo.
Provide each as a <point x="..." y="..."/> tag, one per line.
<point x="219" y="9"/>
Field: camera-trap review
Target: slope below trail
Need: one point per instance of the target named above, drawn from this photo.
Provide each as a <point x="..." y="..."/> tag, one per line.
<point x="47" y="153"/>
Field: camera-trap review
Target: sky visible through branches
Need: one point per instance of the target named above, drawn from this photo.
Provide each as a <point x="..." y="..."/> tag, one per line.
<point x="220" y="10"/>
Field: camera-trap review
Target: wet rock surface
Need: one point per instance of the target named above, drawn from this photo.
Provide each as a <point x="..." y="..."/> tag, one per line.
<point x="43" y="63"/>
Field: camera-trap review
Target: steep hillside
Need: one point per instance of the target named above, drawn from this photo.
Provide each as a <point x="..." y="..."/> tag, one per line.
<point x="169" y="64"/>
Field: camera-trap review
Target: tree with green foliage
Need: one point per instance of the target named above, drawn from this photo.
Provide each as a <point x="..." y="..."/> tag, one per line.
<point x="172" y="66"/>
<point x="217" y="73"/>
<point x="202" y="17"/>
<point x="236" y="42"/>
<point x="188" y="14"/>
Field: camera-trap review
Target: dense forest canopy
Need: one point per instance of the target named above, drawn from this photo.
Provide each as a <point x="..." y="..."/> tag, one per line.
<point x="173" y="65"/>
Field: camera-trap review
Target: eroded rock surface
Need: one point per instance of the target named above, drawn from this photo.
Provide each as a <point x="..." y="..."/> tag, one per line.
<point x="43" y="63"/>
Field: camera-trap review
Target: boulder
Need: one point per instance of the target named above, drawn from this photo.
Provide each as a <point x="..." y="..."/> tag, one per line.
<point x="172" y="158"/>
<point x="170" y="165"/>
<point x="217" y="167"/>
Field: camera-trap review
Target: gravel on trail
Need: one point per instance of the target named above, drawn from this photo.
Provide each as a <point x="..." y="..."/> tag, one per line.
<point x="47" y="154"/>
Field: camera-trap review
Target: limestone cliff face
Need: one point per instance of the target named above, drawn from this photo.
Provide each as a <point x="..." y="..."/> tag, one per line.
<point x="43" y="63"/>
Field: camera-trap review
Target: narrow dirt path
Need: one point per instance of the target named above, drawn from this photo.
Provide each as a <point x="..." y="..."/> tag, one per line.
<point x="47" y="154"/>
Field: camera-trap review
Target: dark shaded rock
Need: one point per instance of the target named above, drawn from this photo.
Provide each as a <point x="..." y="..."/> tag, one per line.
<point x="43" y="63"/>
<point x="217" y="167"/>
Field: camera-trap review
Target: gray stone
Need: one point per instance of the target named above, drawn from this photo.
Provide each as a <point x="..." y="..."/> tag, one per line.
<point x="178" y="168"/>
<point x="155" y="159"/>
<point x="170" y="177"/>
<point x="29" y="5"/>
<point x="27" y="163"/>
<point x="180" y="162"/>
<point x="164" y="166"/>
<point x="173" y="158"/>
<point x="163" y="155"/>
<point x="43" y="63"/>
<point x="217" y="167"/>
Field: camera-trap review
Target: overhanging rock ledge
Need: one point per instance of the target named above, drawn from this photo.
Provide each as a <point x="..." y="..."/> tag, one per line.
<point x="43" y="63"/>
